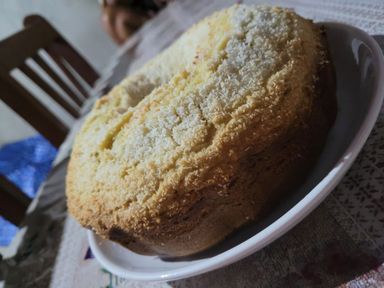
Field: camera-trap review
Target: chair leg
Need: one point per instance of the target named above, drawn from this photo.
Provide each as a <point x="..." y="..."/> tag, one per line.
<point x="13" y="203"/>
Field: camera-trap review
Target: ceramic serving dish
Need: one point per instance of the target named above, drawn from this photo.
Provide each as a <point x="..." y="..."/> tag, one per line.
<point x="359" y="66"/>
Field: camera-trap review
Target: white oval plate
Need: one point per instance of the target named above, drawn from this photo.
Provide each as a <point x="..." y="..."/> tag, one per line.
<point x="359" y="67"/>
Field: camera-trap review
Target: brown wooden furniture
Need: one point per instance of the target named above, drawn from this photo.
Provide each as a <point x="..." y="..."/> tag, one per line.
<point x="70" y="72"/>
<point x="13" y="202"/>
<point x="39" y="35"/>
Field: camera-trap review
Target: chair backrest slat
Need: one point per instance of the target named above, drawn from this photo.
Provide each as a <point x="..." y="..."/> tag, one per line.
<point x="13" y="202"/>
<point x="49" y="90"/>
<point x="75" y="60"/>
<point x="56" y="78"/>
<point x="15" y="49"/>
<point x="27" y="106"/>
<point x="60" y="61"/>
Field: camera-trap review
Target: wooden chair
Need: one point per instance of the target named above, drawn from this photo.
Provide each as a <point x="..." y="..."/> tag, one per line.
<point x="70" y="72"/>
<point x="39" y="35"/>
<point x="13" y="202"/>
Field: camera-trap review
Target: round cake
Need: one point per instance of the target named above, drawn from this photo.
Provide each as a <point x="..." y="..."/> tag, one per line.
<point x="202" y="139"/>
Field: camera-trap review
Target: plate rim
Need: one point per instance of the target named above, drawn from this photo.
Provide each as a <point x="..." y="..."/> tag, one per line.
<point x="294" y="215"/>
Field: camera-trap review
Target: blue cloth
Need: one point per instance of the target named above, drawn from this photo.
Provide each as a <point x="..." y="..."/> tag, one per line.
<point x="26" y="163"/>
<point x="7" y="232"/>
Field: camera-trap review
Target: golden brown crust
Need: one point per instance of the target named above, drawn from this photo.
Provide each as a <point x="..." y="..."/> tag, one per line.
<point x="219" y="133"/>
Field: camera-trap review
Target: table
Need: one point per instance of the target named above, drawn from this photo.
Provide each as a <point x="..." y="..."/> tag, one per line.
<point x="341" y="243"/>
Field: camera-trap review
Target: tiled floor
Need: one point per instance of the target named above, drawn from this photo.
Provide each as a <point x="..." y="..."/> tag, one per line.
<point x="78" y="21"/>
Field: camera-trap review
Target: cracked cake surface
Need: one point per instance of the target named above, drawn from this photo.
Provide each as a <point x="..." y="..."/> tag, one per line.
<point x="195" y="143"/>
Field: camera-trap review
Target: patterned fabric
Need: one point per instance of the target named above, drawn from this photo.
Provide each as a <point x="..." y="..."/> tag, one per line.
<point x="26" y="163"/>
<point x="7" y="232"/>
<point x="358" y="201"/>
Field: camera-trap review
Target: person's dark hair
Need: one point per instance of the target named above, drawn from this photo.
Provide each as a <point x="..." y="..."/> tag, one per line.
<point x="140" y="5"/>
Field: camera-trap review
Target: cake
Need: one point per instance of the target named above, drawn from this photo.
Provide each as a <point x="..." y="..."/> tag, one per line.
<point x="205" y="136"/>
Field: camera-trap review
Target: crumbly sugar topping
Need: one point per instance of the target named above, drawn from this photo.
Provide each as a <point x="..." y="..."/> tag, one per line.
<point x="229" y="74"/>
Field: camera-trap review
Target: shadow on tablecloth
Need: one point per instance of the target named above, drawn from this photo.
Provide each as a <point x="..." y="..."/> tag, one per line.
<point x="317" y="253"/>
